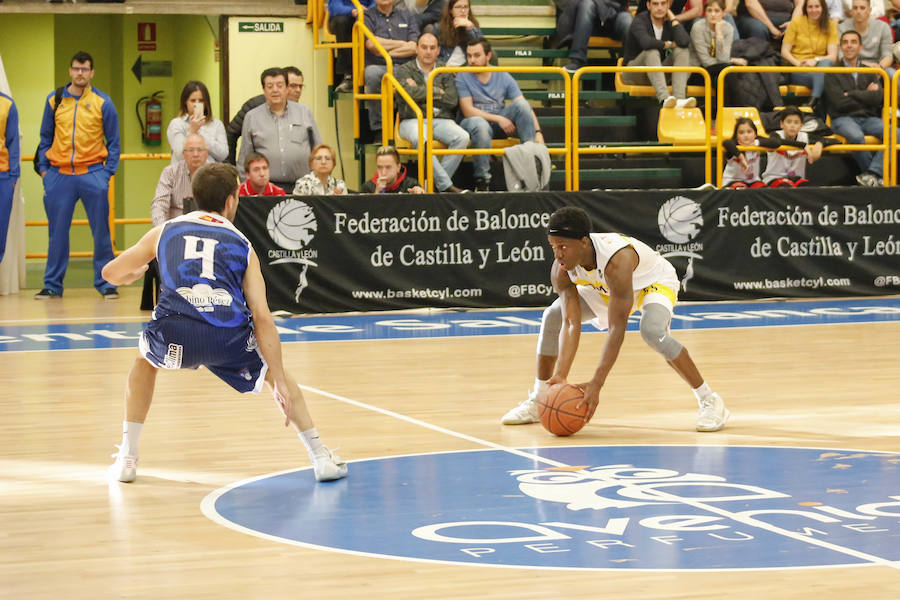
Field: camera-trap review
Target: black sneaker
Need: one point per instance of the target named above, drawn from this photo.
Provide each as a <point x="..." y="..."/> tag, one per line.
<point x="47" y="293"/>
<point x="109" y="293"/>
<point x="482" y="184"/>
<point x="572" y="67"/>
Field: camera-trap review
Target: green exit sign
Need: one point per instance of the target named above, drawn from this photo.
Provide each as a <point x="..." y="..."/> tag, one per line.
<point x="261" y="26"/>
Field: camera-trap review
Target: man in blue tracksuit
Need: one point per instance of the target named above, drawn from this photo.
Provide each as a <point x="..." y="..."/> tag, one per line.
<point x="78" y="153"/>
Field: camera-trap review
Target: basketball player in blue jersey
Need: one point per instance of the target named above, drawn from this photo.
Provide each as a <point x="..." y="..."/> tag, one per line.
<point x="604" y="277"/>
<point x="212" y="311"/>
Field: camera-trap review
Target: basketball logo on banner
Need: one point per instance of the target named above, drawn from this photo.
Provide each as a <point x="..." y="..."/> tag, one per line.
<point x="680" y="220"/>
<point x="292" y="226"/>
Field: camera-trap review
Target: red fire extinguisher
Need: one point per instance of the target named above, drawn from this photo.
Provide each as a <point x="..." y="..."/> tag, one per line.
<point x="151" y="124"/>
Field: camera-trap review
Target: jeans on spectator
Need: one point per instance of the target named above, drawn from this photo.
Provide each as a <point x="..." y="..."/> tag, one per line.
<point x="816" y="81"/>
<point x="342" y="28"/>
<point x="447" y="132"/>
<point x="483" y="131"/>
<point x="678" y="57"/>
<point x="585" y="25"/>
<point x="372" y="76"/>
<point x="855" y="129"/>
<point x="752" y="27"/>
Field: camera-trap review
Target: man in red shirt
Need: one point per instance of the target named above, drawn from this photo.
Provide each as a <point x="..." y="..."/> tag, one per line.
<point x="257" y="183"/>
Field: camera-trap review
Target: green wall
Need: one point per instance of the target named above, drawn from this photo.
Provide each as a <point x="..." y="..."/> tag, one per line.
<point x="36" y="51"/>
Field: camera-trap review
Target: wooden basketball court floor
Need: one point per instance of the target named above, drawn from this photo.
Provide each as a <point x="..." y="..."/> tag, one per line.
<point x="68" y="533"/>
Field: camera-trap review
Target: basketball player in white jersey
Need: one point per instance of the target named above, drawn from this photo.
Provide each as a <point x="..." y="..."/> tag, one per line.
<point x="603" y="278"/>
<point x="212" y="311"/>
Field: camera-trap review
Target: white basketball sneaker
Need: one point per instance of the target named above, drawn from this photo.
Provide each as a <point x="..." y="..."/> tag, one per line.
<point x="523" y="414"/>
<point x="125" y="467"/>
<point x="713" y="414"/>
<point x="328" y="466"/>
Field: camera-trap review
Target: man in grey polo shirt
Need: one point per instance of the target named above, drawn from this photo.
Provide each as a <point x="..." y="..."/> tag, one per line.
<point x="397" y="31"/>
<point x="283" y="131"/>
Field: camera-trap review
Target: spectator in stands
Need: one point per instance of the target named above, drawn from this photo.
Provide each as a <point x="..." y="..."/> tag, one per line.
<point x="482" y="101"/>
<point x="390" y="176"/>
<point x="579" y="19"/>
<point x="412" y="77"/>
<point x="457" y="28"/>
<point x="765" y="19"/>
<point x="788" y="168"/>
<point x="319" y="181"/>
<point x="711" y="41"/>
<point x="427" y="12"/>
<point x="195" y="116"/>
<point x="397" y="31"/>
<point x="878" y="9"/>
<point x="174" y="185"/>
<point x="284" y="131"/>
<point x="877" y="39"/>
<point x="742" y="167"/>
<point x="233" y="131"/>
<point x="811" y="40"/>
<point x="654" y="32"/>
<point x="256" y="166"/>
<point x="342" y="14"/>
<point x="854" y="101"/>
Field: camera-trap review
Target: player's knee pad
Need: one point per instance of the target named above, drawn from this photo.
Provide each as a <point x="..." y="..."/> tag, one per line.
<point x="655" y="331"/>
<point x="551" y="323"/>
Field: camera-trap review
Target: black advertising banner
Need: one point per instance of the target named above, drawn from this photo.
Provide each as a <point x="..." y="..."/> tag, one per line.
<point x="338" y="254"/>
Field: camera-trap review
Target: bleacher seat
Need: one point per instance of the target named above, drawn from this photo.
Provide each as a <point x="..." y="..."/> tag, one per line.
<point x="681" y="126"/>
<point x="729" y="114"/>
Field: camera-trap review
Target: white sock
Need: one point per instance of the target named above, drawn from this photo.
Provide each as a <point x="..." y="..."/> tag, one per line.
<point x="540" y="385"/>
<point x="310" y="439"/>
<point x="702" y="391"/>
<point x="131" y="432"/>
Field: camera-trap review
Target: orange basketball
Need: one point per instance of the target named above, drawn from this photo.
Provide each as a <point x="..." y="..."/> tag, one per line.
<point x="557" y="409"/>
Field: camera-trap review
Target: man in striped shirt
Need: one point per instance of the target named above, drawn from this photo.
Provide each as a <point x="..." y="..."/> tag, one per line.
<point x="174" y="186"/>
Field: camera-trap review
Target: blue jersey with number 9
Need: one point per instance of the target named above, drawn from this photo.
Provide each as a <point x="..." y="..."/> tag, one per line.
<point x="202" y="262"/>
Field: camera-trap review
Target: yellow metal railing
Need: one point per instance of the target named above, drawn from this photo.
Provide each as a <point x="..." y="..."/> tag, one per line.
<point x="429" y="109"/>
<point x="388" y="83"/>
<point x="318" y="18"/>
<point x="894" y="107"/>
<point x="577" y="150"/>
<point x="111" y="195"/>
<point x="360" y="34"/>
<point x="886" y="118"/>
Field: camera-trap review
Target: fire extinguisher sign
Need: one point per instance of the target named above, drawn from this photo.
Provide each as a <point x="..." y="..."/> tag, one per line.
<point x="146" y="37"/>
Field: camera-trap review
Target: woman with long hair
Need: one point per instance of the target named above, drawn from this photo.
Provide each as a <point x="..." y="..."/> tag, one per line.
<point x="811" y="40"/>
<point x="457" y="26"/>
<point x="195" y="116"/>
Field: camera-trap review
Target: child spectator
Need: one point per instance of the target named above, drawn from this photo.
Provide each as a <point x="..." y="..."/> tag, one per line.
<point x="788" y="167"/>
<point x="742" y="168"/>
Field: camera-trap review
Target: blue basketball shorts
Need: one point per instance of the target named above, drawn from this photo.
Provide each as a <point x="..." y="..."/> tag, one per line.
<point x="231" y="353"/>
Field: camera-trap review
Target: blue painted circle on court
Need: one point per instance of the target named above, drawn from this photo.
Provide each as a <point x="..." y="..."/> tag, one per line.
<point x="590" y="507"/>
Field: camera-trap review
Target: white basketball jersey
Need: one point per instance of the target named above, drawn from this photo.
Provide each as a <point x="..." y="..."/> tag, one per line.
<point x="652" y="268"/>
<point x="786" y="163"/>
<point x="734" y="171"/>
